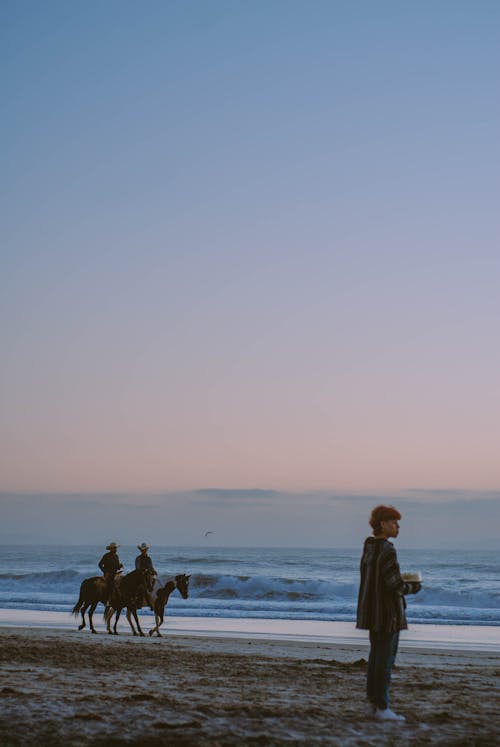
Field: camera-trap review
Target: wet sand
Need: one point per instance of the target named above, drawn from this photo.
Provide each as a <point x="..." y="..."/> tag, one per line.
<point x="61" y="687"/>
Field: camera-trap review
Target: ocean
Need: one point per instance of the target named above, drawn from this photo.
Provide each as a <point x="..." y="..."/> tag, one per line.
<point x="459" y="588"/>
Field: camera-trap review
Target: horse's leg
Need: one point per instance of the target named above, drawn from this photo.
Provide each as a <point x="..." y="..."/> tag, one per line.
<point x="83" y="611"/>
<point x="130" y="612"/>
<point x="158" y="621"/>
<point x="77" y="609"/>
<point x="117" y="617"/>
<point x="155" y="628"/>
<point x="134" y="612"/>
<point x="129" y="618"/>
<point x="108" y="614"/>
<point x="159" y="610"/>
<point x="91" y="614"/>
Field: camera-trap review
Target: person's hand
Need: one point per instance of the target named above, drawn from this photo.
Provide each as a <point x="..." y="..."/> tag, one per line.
<point x="412" y="587"/>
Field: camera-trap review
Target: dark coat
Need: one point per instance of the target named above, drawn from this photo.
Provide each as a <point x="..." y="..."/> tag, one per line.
<point x="110" y="563"/>
<point x="381" y="602"/>
<point x="143" y="563"/>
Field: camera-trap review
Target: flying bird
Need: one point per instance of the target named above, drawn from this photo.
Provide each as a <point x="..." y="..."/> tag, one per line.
<point x="209" y="532"/>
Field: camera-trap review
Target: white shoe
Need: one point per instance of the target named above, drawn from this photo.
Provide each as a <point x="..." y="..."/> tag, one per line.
<point x="387" y="715"/>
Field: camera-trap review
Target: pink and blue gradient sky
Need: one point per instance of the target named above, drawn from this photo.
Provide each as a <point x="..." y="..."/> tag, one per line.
<point x="250" y="245"/>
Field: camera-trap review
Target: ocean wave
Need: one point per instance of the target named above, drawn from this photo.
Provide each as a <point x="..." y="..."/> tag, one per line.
<point x="262" y="588"/>
<point x="203" y="560"/>
<point x="268" y="583"/>
<point x="436" y="597"/>
<point x="265" y="587"/>
<point x="40" y="578"/>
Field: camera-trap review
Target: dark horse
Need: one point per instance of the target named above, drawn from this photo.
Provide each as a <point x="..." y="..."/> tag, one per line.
<point x="161" y="593"/>
<point x="129" y="592"/>
<point x="92" y="591"/>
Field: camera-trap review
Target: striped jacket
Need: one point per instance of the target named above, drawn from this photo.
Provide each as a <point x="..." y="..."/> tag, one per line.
<point x="381" y="602"/>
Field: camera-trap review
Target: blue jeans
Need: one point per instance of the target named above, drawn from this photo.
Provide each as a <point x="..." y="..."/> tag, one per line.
<point x="383" y="650"/>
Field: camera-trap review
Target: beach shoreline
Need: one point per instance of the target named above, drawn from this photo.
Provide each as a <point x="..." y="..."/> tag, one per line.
<point x="65" y="687"/>
<point x="473" y="638"/>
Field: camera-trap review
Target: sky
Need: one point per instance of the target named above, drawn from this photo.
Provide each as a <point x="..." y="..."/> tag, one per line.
<point x="250" y="246"/>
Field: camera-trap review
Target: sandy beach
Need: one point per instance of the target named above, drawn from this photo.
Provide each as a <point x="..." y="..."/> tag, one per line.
<point x="62" y="687"/>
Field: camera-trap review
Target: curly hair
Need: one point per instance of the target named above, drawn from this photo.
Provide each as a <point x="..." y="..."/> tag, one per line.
<point x="382" y="513"/>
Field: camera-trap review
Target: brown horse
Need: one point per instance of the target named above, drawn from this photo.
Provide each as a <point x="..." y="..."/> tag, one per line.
<point x="129" y="592"/>
<point x="161" y="593"/>
<point x="92" y="591"/>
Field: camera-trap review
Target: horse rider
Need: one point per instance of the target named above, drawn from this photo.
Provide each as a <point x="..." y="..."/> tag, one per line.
<point x="144" y="563"/>
<point x="110" y="565"/>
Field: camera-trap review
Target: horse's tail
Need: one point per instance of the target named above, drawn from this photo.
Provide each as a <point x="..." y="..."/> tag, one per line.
<point x="76" y="609"/>
<point x="81" y="600"/>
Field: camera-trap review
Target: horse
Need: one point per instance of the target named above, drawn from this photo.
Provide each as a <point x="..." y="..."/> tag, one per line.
<point x="92" y="591"/>
<point x="130" y="593"/>
<point x="160" y="594"/>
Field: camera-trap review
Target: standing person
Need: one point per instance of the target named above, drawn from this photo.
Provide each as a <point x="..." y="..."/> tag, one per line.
<point x="381" y="607"/>
<point x="110" y="565"/>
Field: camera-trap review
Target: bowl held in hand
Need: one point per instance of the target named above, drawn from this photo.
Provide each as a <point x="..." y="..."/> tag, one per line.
<point x="414" y="577"/>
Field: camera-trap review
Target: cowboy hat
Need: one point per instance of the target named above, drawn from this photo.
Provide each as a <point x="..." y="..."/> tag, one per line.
<point x="112" y="546"/>
<point x="143" y="547"/>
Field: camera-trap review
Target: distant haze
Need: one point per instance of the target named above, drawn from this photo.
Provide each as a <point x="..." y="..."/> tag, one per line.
<point x="431" y="519"/>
